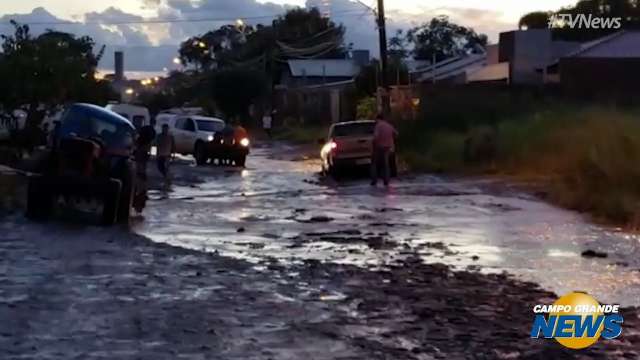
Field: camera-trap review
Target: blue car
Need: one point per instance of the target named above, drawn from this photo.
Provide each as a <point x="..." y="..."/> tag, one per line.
<point x="89" y="168"/>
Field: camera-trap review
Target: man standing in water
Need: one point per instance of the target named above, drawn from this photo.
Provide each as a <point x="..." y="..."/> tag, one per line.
<point x="383" y="147"/>
<point x="165" y="149"/>
<point x="267" y="122"/>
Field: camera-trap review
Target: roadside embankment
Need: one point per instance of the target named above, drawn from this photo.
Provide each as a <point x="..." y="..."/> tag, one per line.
<point x="584" y="159"/>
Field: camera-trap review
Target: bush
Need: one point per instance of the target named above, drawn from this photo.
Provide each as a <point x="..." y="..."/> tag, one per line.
<point x="302" y="134"/>
<point x="367" y="108"/>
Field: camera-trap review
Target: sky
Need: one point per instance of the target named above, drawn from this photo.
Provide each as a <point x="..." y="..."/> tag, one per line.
<point x="151" y="48"/>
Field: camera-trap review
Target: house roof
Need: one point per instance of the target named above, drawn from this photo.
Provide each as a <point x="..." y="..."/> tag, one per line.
<point x="324" y="68"/>
<point x="623" y="44"/>
<point x="454" y="66"/>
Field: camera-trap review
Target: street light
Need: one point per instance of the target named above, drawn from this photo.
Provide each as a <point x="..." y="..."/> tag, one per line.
<point x="177" y="61"/>
<point x="129" y="91"/>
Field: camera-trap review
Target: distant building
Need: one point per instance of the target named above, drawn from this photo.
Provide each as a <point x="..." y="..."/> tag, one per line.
<point x="533" y="58"/>
<point x="607" y="66"/>
<point x="319" y="71"/>
<point x="319" y="90"/>
<point x="453" y="70"/>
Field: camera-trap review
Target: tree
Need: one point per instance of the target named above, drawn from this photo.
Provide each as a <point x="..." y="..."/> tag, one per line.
<point x="628" y="10"/>
<point x="235" y="90"/>
<point x="208" y="51"/>
<point x="535" y="20"/>
<point x="369" y="78"/>
<point x="442" y="39"/>
<point x="398" y="46"/>
<point x="297" y="34"/>
<point x="47" y="71"/>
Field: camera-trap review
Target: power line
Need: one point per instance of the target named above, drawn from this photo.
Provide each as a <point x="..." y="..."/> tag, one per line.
<point x="158" y="21"/>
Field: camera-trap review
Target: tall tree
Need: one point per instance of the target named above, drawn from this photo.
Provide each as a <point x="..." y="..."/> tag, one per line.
<point x="235" y="90"/>
<point x="297" y="34"/>
<point x="442" y="39"/>
<point x="535" y="20"/>
<point x="398" y="47"/>
<point x="47" y="71"/>
<point x="207" y="51"/>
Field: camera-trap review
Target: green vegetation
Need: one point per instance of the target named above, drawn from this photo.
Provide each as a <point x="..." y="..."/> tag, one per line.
<point x="627" y="10"/>
<point x="367" y="108"/>
<point x="301" y="134"/>
<point x="585" y="158"/>
<point x="48" y="70"/>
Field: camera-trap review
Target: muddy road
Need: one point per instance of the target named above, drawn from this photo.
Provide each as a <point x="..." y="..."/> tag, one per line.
<point x="273" y="262"/>
<point x="280" y="209"/>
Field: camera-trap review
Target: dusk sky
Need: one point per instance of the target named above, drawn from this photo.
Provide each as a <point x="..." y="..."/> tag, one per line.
<point x="151" y="47"/>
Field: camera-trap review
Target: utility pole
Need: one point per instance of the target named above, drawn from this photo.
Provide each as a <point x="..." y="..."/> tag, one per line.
<point x="382" y="30"/>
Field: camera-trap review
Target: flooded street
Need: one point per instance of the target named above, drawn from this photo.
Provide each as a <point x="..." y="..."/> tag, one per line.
<point x="286" y="213"/>
<point x="273" y="262"/>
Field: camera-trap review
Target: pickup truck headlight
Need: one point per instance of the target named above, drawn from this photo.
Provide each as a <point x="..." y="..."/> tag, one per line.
<point x="245" y="142"/>
<point x="210" y="138"/>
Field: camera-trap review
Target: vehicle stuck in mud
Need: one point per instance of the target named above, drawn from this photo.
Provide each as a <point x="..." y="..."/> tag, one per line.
<point x="88" y="170"/>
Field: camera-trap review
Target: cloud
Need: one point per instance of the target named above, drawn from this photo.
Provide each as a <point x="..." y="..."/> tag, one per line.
<point x="151" y="47"/>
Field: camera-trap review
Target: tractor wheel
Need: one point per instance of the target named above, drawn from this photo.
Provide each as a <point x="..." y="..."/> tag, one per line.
<point x="39" y="199"/>
<point x="126" y="192"/>
<point x="110" y="195"/>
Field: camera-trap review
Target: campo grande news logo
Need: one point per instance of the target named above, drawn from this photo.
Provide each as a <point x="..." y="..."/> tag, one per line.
<point x="577" y="321"/>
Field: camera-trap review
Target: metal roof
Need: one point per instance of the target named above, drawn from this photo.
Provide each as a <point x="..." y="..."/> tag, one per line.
<point x="324" y="67"/>
<point x="623" y="44"/>
<point x="454" y="66"/>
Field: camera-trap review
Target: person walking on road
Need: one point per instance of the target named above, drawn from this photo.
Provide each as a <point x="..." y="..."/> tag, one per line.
<point x="166" y="145"/>
<point x="141" y="155"/>
<point x="267" y="123"/>
<point x="383" y="146"/>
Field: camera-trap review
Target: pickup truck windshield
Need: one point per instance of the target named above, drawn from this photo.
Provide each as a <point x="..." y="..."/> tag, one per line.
<point x="210" y="126"/>
<point x="362" y="129"/>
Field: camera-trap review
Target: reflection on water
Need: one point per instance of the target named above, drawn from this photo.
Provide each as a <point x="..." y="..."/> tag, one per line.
<point x="263" y="213"/>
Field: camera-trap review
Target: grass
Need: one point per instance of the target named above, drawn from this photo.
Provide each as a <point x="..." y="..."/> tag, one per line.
<point x="301" y="134"/>
<point x="588" y="159"/>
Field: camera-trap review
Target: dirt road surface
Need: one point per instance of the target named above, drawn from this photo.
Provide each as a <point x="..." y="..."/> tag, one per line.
<point x="273" y="262"/>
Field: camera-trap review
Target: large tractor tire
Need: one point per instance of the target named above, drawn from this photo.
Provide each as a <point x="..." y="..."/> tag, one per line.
<point x="127" y="191"/>
<point x="39" y="199"/>
<point x="110" y="192"/>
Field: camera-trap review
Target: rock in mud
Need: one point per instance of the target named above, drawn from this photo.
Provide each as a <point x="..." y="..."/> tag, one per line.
<point x="590" y="254"/>
<point x="316" y="219"/>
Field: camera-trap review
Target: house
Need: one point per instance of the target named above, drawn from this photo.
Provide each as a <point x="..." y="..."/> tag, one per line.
<point x="607" y="66"/>
<point x="317" y="72"/>
<point x="319" y="90"/>
<point x="453" y="70"/>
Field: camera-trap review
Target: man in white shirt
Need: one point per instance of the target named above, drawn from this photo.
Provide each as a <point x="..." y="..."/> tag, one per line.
<point x="267" y="121"/>
<point x="165" y="146"/>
